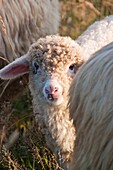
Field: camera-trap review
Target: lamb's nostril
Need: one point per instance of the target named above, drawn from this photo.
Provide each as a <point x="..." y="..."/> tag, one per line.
<point x="56" y="89"/>
<point x="47" y="91"/>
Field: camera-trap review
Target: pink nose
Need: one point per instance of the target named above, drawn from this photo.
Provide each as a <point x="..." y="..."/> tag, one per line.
<point x="52" y="90"/>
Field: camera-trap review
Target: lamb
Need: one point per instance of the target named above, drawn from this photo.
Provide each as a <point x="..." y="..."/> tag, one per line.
<point x="22" y="23"/>
<point x="52" y="62"/>
<point x="91" y="108"/>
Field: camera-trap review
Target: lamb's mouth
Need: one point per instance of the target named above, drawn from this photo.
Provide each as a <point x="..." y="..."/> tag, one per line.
<point x="50" y="97"/>
<point x="54" y="100"/>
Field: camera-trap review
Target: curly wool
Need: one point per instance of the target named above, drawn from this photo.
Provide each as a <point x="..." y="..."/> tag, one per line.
<point x="54" y="55"/>
<point x="91" y="107"/>
<point x="96" y="36"/>
<point x="23" y="22"/>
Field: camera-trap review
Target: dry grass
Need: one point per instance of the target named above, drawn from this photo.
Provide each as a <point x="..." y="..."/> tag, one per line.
<point x="26" y="149"/>
<point x="77" y="15"/>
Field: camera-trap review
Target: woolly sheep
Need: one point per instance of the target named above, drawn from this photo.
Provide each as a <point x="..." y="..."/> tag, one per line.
<point x="91" y="107"/>
<point x="96" y="36"/>
<point x="22" y="23"/>
<point x="52" y="63"/>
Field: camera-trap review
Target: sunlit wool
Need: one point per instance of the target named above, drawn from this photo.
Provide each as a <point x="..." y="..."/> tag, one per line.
<point x="22" y="23"/>
<point x="96" y="36"/>
<point x="91" y="108"/>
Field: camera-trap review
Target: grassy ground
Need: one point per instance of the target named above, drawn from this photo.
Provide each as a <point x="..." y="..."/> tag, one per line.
<point x="26" y="146"/>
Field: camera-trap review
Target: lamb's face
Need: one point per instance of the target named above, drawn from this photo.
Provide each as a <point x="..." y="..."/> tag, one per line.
<point x="53" y="63"/>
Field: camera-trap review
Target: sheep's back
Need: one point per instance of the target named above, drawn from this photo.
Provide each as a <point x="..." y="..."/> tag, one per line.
<point x="96" y="36"/>
<point x="22" y="23"/>
<point x="91" y="107"/>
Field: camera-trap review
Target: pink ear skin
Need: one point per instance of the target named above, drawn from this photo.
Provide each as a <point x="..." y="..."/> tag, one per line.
<point x="15" y="69"/>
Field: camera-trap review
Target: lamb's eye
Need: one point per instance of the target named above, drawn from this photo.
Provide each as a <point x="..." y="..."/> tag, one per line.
<point x="71" y="67"/>
<point x="35" y="67"/>
<point x="71" y="70"/>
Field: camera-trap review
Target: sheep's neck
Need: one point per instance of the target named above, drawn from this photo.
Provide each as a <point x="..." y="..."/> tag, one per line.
<point x="61" y="128"/>
<point x="59" y="132"/>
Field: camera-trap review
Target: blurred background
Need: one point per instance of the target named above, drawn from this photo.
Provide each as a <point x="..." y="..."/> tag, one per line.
<point x="77" y="15"/>
<point x="29" y="151"/>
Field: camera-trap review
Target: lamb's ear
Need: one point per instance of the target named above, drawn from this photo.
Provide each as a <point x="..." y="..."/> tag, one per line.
<point x="18" y="67"/>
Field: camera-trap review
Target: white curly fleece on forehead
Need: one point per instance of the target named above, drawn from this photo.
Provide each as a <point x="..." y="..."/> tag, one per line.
<point x="56" y="49"/>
